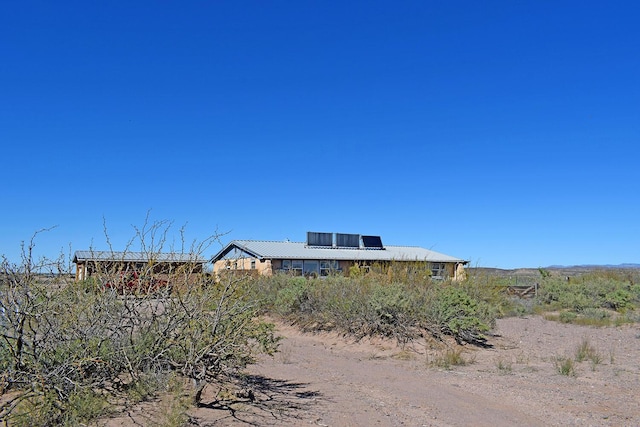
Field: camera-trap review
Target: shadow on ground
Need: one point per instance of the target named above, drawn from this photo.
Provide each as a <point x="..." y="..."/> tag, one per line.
<point x="256" y="401"/>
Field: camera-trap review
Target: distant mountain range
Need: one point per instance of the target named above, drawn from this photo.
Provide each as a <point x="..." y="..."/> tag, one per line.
<point x="556" y="269"/>
<point x="596" y="266"/>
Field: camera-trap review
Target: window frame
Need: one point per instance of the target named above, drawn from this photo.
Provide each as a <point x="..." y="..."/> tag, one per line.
<point x="438" y="270"/>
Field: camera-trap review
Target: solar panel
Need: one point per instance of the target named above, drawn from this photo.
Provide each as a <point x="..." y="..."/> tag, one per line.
<point x="372" y="242"/>
<point x="319" y="239"/>
<point x="347" y="240"/>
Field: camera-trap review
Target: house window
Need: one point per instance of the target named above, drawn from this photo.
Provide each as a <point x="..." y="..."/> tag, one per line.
<point x="438" y="271"/>
<point x="253" y="264"/>
<point x="296" y="267"/>
<point x="311" y="268"/>
<point x="326" y="267"/>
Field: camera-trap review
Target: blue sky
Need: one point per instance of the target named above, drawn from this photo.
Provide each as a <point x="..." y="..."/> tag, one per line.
<point x="506" y="133"/>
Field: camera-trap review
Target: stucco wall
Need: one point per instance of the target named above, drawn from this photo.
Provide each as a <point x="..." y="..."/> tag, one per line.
<point x="262" y="267"/>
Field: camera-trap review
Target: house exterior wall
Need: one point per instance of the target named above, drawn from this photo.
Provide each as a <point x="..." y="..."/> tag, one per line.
<point x="254" y="266"/>
<point x="86" y="269"/>
<point x="262" y="267"/>
<point x="81" y="271"/>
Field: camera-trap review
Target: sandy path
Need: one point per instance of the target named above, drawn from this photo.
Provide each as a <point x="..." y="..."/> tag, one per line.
<point x="363" y="386"/>
<point x="325" y="380"/>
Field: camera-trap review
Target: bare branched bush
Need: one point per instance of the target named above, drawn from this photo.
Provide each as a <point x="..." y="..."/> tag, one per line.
<point x="70" y="350"/>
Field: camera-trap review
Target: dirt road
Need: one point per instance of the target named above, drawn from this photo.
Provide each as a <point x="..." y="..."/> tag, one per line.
<point x="323" y="379"/>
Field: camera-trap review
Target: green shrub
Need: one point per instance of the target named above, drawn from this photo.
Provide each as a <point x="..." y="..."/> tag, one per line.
<point x="402" y="302"/>
<point x="617" y="299"/>
<point x="84" y="406"/>
<point x="567" y="316"/>
<point x="391" y="311"/>
<point x="610" y="290"/>
<point x="265" y="289"/>
<point x="293" y="298"/>
<point x="598" y="314"/>
<point x="390" y="303"/>
<point x="455" y="313"/>
<point x="343" y="303"/>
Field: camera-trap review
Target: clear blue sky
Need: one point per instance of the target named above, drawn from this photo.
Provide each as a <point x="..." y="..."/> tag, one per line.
<point x="503" y="132"/>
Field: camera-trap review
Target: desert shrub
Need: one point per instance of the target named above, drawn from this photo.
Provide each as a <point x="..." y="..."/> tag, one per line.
<point x="596" y="317"/>
<point x="415" y="273"/>
<point x="293" y="298"/>
<point x="607" y="290"/>
<point x="454" y="312"/>
<point x="600" y="290"/>
<point x="628" y="317"/>
<point x="67" y="348"/>
<point x="401" y="302"/>
<point x="556" y="293"/>
<point x="343" y="303"/>
<point x="266" y="289"/>
<point x="617" y="299"/>
<point x="597" y="314"/>
<point x="492" y="293"/>
<point x="551" y="293"/>
<point x="388" y="302"/>
<point x="567" y="316"/>
<point x="85" y="406"/>
<point x="391" y="311"/>
<point x="518" y="308"/>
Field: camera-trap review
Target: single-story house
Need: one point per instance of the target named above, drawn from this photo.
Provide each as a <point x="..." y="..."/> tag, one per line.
<point x="91" y="262"/>
<point x="324" y="253"/>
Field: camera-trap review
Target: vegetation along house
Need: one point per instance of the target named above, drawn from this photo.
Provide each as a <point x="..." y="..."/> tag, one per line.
<point x="89" y="263"/>
<point x="324" y="253"/>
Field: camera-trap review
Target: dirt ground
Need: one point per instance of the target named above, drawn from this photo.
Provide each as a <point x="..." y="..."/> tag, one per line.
<point x="326" y="380"/>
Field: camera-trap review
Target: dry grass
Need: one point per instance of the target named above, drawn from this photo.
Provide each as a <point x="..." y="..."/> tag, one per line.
<point x="448" y="358"/>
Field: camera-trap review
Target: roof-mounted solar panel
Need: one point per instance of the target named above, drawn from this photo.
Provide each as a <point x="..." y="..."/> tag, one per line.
<point x="372" y="242"/>
<point x="347" y="240"/>
<point x="319" y="239"/>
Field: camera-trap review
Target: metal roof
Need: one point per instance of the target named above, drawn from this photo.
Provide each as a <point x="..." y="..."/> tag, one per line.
<point x="84" y="256"/>
<point x="299" y="250"/>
